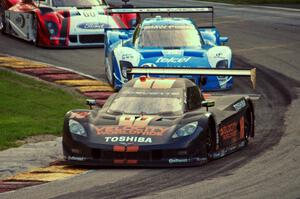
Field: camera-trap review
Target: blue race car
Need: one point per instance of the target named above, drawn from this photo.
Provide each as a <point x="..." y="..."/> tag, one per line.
<point x="167" y="43"/>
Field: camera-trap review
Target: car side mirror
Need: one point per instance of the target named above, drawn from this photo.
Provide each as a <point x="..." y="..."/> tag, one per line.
<point x="123" y="36"/>
<point x="223" y="40"/>
<point x="91" y="103"/>
<point x="208" y="104"/>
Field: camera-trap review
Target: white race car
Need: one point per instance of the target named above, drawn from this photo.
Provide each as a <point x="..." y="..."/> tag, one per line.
<point x="61" y="23"/>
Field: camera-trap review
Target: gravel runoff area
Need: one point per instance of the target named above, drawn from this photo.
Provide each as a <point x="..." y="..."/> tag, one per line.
<point x="30" y="155"/>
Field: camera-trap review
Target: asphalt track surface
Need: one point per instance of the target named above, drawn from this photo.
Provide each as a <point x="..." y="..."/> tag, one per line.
<point x="268" y="168"/>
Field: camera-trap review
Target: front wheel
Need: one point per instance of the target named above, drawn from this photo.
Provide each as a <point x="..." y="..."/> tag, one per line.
<point x="210" y="142"/>
<point x="35" y="33"/>
<point x="2" y="21"/>
<point x="109" y="72"/>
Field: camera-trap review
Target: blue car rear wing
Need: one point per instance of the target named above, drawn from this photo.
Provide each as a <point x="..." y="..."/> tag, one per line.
<point x="166" y="10"/>
<point x="194" y="71"/>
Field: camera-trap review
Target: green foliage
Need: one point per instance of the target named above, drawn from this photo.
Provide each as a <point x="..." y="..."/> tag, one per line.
<point x="29" y="107"/>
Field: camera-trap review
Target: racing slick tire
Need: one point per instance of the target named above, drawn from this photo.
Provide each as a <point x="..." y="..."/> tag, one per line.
<point x="113" y="79"/>
<point x="249" y="124"/>
<point x="35" y="31"/>
<point x="210" y="139"/>
<point x="110" y="81"/>
<point x="2" y="21"/>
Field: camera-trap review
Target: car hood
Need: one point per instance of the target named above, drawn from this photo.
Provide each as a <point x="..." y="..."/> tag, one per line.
<point x="143" y="130"/>
<point x="174" y="58"/>
<point x="90" y="20"/>
<point x="131" y="129"/>
<point x="158" y="57"/>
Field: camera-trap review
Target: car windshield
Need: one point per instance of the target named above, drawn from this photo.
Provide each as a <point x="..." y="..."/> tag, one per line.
<point x="77" y="3"/>
<point x="169" y="36"/>
<point x="138" y="101"/>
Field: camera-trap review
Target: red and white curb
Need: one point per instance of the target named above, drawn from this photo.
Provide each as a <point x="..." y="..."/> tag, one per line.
<point x="88" y="86"/>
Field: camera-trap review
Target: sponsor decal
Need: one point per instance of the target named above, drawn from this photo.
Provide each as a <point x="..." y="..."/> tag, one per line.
<point x="228" y="150"/>
<point x="76" y="158"/>
<point x="92" y="26"/>
<point x="129" y="139"/>
<point x="228" y="131"/>
<point x="175" y="160"/>
<point x="220" y="55"/>
<point x="186" y="160"/>
<point x="79" y="115"/>
<point x="127" y="56"/>
<point x="173" y="60"/>
<point x="238" y="106"/>
<point x="130" y="130"/>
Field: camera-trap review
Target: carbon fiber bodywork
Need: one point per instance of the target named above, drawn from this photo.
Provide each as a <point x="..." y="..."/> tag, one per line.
<point x="149" y="140"/>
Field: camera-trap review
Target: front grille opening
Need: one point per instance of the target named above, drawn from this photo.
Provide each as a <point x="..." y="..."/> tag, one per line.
<point x="91" y="39"/>
<point x="157" y="155"/>
<point x="73" y="38"/>
<point x="96" y="153"/>
<point x="142" y="155"/>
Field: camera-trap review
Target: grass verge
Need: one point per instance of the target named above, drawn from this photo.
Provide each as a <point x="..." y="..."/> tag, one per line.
<point x="256" y="1"/>
<point x="29" y="107"/>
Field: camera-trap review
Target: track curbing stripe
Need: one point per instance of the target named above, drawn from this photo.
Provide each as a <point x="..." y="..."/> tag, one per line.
<point x="85" y="84"/>
<point x="47" y="174"/>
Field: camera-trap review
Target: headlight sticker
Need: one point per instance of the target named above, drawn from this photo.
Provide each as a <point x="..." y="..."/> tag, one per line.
<point x="238" y="106"/>
<point x="76" y="128"/>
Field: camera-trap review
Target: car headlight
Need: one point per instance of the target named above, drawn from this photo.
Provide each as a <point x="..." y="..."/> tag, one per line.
<point x="52" y="28"/>
<point x="76" y="128"/>
<point x="222" y="64"/>
<point x="186" y="130"/>
<point x="124" y="65"/>
<point x="124" y="71"/>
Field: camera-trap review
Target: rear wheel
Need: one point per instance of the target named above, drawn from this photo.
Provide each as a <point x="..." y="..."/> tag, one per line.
<point x="249" y="124"/>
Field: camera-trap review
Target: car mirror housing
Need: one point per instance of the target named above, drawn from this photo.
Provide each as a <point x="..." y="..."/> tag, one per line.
<point x="91" y="103"/>
<point x="123" y="36"/>
<point x="208" y="104"/>
<point x="224" y="40"/>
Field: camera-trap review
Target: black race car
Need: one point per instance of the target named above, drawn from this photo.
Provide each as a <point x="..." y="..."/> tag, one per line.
<point x="158" y="122"/>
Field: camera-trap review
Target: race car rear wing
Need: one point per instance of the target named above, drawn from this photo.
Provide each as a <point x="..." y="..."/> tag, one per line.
<point x="194" y="71"/>
<point x="165" y="10"/>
